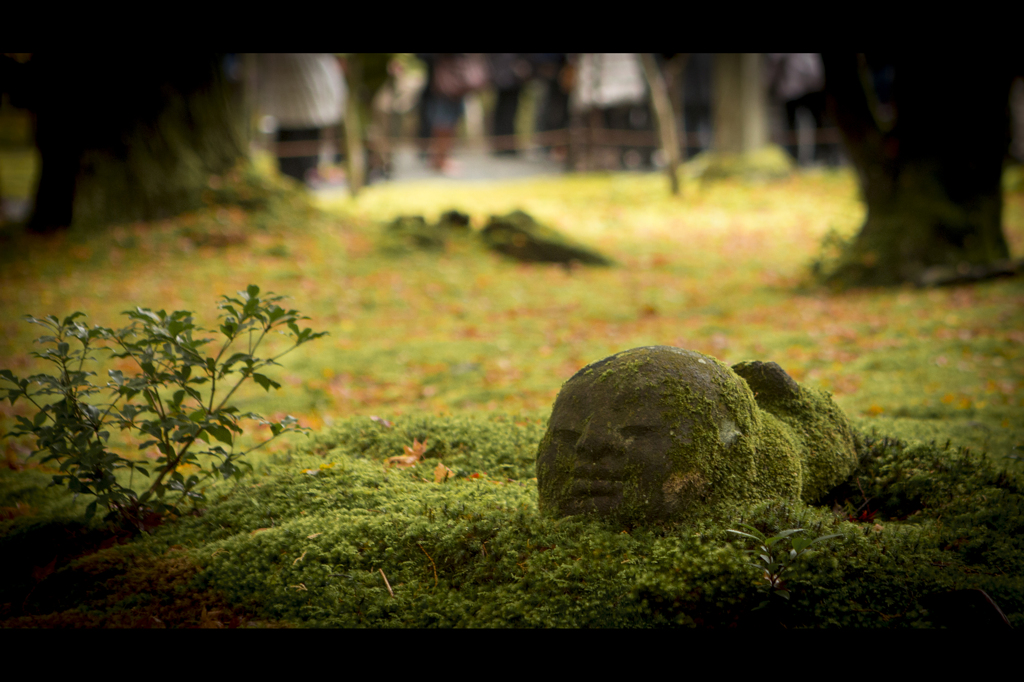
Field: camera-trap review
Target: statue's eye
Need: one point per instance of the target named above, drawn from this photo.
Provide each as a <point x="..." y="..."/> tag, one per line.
<point x="636" y="431"/>
<point x="567" y="437"/>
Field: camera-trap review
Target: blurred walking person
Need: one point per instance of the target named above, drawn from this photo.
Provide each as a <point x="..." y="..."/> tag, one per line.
<point x="304" y="94"/>
<point x="452" y="77"/>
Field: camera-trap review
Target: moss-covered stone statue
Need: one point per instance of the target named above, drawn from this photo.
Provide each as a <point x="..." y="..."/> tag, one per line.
<point x="666" y="434"/>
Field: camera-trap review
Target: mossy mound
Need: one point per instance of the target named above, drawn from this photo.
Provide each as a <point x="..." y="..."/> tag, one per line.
<point x="407" y="234"/>
<point x="517" y="235"/>
<point x="824" y="437"/>
<point x="768" y="163"/>
<point x="660" y="433"/>
<point x="328" y="537"/>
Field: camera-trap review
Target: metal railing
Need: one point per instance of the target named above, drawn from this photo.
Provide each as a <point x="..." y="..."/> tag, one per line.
<point x="583" y="136"/>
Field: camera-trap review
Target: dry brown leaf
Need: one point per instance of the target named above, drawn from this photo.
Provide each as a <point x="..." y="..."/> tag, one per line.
<point x="208" y="621"/>
<point x="402" y="461"/>
<point x="442" y="473"/>
<point x="314" y="535"/>
<point x="419" y="449"/>
<point x="299" y="559"/>
<point x="19" y="509"/>
<point x="412" y="455"/>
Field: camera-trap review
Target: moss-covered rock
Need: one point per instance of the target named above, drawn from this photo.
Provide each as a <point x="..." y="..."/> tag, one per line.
<point x="407" y="234"/>
<point x="519" y="236"/>
<point x="666" y="434"/>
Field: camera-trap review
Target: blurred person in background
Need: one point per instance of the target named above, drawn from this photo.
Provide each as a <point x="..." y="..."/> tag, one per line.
<point x="509" y="73"/>
<point x="451" y="77"/>
<point x="304" y="94"/>
<point x="555" y="73"/>
<point x="797" y="82"/>
<point x="610" y="90"/>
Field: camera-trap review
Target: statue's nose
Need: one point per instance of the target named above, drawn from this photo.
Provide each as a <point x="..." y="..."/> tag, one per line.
<point x="596" y="441"/>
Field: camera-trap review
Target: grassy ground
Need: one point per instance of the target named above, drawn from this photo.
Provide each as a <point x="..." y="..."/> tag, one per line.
<point x="721" y="270"/>
<point x="717" y="271"/>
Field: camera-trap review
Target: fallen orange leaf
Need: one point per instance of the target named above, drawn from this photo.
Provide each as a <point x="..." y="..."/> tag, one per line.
<point x="412" y="455"/>
<point x="442" y="473"/>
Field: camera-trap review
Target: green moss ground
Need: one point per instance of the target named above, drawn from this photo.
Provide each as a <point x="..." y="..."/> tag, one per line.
<point x="318" y="537"/>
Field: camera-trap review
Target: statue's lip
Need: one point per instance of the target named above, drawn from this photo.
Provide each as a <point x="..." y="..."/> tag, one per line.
<point x="596" y="487"/>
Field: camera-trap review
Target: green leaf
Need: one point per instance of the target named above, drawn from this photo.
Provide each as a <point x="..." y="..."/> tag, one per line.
<point x="784" y="534"/>
<point x="252" y="290"/>
<point x="71" y="318"/>
<point x="265" y="382"/>
<point x="746" y="535"/>
<point x="756" y="533"/>
<point x="237" y="357"/>
<point x="220" y="433"/>
<point x="800" y="544"/>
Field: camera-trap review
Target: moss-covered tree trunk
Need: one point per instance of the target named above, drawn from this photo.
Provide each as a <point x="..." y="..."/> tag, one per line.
<point x="929" y="159"/>
<point x="740" y="113"/>
<point x="130" y="136"/>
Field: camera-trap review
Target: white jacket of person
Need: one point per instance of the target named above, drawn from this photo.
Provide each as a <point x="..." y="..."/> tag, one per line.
<point x="301" y="90"/>
<point x="608" y="80"/>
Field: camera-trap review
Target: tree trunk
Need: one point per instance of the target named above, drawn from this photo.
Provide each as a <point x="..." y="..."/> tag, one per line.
<point x="674" y="71"/>
<point x="667" y="128"/>
<point x="739" y="107"/>
<point x="355" y="152"/>
<point x="123" y="140"/>
<point x="929" y="161"/>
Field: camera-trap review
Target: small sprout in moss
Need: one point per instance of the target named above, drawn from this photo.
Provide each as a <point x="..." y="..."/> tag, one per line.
<point x="773" y="561"/>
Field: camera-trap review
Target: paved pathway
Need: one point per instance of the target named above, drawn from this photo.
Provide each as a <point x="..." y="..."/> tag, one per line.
<point x="470" y="165"/>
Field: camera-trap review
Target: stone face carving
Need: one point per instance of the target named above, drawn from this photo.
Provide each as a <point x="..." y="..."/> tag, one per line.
<point x="666" y="434"/>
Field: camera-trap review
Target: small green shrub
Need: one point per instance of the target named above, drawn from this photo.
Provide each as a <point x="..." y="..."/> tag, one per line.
<point x="773" y="560"/>
<point x="177" y="399"/>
